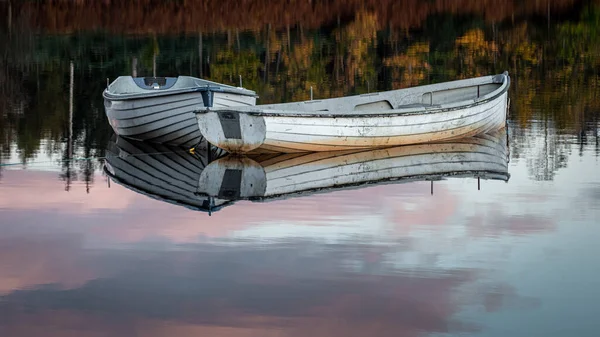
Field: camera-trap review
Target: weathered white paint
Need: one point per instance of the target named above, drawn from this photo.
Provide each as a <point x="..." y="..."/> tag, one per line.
<point x="459" y="109"/>
<point x="253" y="132"/>
<point x="271" y="176"/>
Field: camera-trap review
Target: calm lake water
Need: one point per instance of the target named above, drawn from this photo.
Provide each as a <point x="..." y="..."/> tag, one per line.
<point x="511" y="254"/>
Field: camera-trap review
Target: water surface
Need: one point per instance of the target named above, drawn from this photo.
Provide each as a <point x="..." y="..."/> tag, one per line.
<point x="83" y="255"/>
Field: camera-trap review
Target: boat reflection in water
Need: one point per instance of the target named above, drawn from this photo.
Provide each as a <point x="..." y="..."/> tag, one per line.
<point x="161" y="172"/>
<point x="194" y="181"/>
<point x="269" y="176"/>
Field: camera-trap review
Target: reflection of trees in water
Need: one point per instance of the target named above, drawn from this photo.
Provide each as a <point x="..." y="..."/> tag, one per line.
<point x="34" y="101"/>
<point x="549" y="151"/>
<point x="554" y="79"/>
<point x="550" y="124"/>
<point x="14" y="45"/>
<point x="589" y="133"/>
<point x="124" y="16"/>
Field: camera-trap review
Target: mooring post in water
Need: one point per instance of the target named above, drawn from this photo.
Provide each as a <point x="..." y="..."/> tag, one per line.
<point x="548" y="15"/>
<point x="241" y="86"/>
<point x="9" y="17"/>
<point x="200" y="51"/>
<point x="432" y="187"/>
<point x="154" y="65"/>
<point x="71" y="84"/>
<point x="134" y="67"/>
<point x="70" y="131"/>
<point x="311" y="93"/>
<point x="478" y="184"/>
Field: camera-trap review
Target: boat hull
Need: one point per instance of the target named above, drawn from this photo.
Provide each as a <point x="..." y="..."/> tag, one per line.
<point x="166" y="119"/>
<point x="268" y="129"/>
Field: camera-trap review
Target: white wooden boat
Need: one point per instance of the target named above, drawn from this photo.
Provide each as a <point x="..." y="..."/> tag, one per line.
<point x="416" y="115"/>
<point x="269" y="176"/>
<point x="161" y="172"/>
<point x="161" y="109"/>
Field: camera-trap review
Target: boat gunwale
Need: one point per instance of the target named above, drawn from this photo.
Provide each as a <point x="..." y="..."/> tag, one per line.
<point x="409" y="111"/>
<point x="152" y="94"/>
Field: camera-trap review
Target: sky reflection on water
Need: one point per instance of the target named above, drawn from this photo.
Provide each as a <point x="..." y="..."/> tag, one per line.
<point x="519" y="258"/>
<point x="377" y="260"/>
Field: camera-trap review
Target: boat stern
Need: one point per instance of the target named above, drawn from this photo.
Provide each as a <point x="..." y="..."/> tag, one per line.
<point x="233" y="178"/>
<point x="232" y="130"/>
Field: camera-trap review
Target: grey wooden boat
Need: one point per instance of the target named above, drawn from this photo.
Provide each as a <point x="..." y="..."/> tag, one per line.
<point x="274" y="176"/>
<point x="161" y="109"/>
<point x="165" y="173"/>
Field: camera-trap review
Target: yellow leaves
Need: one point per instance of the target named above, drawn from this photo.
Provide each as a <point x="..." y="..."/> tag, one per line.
<point x="363" y="28"/>
<point x="474" y="50"/>
<point x="472" y="37"/>
<point x="357" y="39"/>
<point x="418" y="48"/>
<point x="475" y="43"/>
<point x="298" y="63"/>
<point x="411" y="68"/>
<point x="528" y="52"/>
<point x="522" y="105"/>
<point x="299" y="58"/>
<point x="229" y="65"/>
<point x="519" y="45"/>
